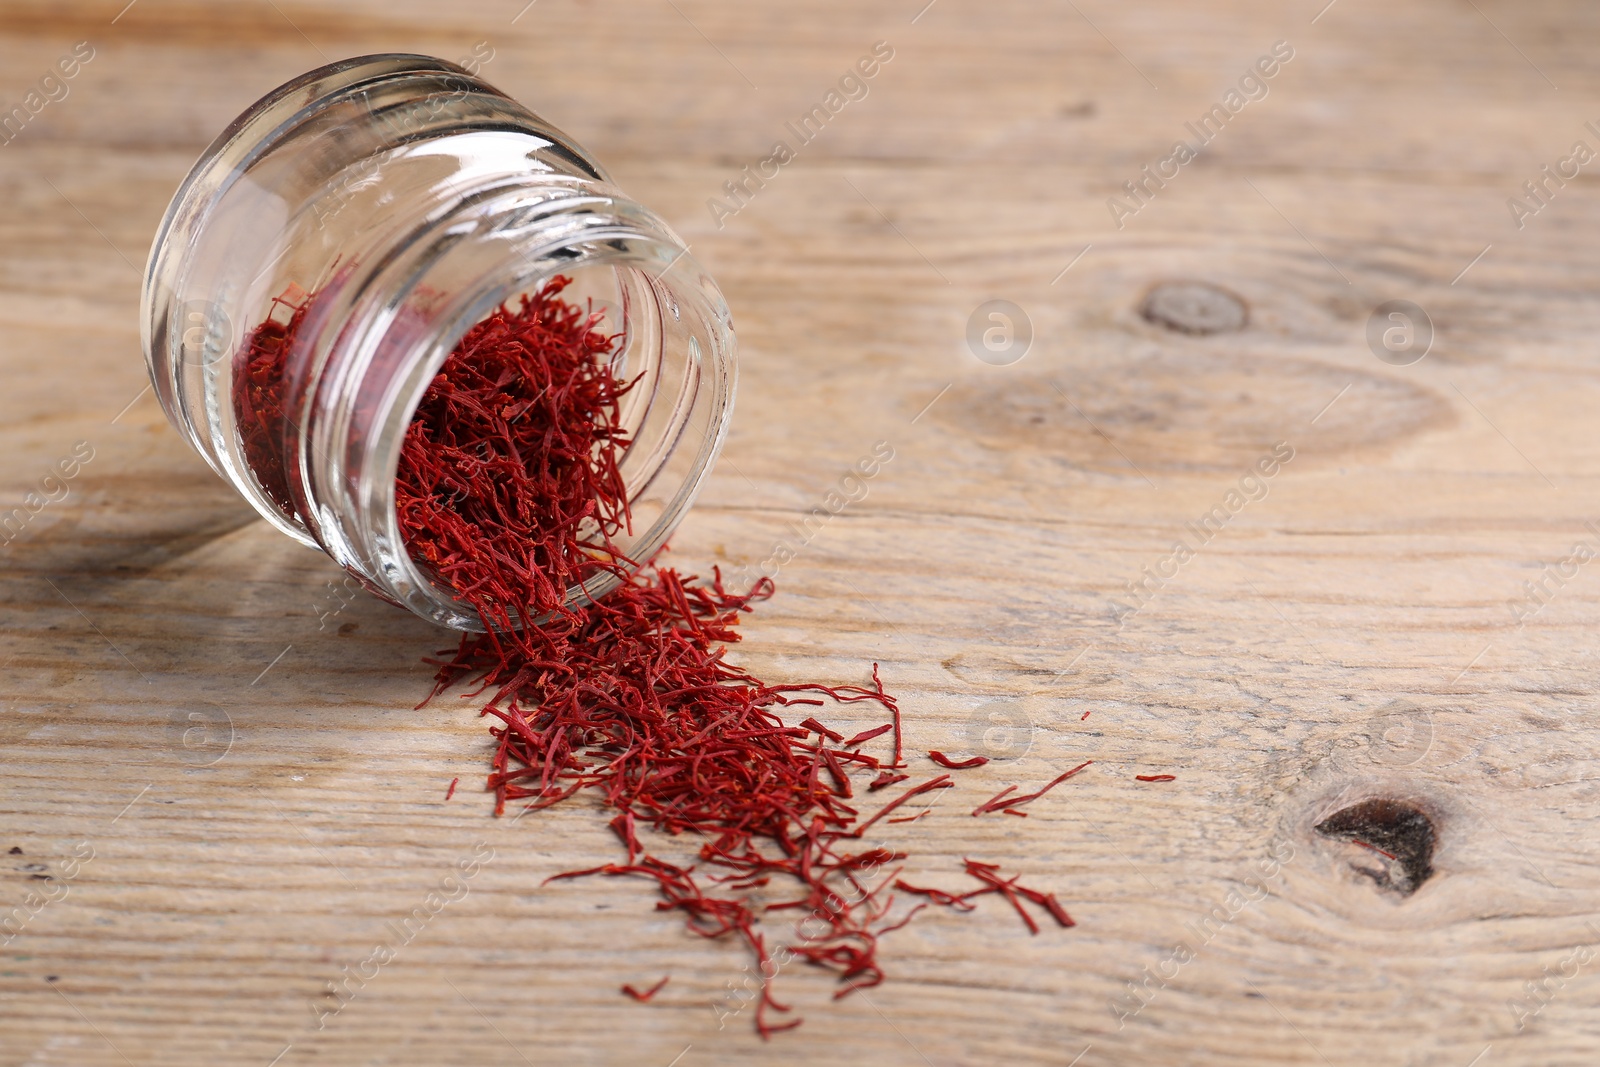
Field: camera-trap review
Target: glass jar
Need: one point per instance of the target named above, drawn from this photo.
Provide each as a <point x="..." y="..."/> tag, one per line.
<point x="413" y="199"/>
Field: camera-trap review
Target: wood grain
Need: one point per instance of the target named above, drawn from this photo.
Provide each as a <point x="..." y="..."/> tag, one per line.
<point x="1347" y="636"/>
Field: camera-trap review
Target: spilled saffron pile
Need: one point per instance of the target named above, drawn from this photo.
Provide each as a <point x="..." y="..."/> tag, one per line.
<point x="509" y="494"/>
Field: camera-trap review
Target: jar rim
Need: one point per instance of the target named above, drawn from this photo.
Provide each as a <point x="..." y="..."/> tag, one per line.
<point x="622" y="248"/>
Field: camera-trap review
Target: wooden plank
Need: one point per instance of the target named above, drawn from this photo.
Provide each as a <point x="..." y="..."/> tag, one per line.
<point x="1348" y="635"/>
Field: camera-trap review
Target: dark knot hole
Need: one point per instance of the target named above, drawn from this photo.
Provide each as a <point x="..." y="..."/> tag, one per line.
<point x="1398" y="836"/>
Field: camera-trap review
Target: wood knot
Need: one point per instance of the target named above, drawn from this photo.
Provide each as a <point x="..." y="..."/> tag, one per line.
<point x="1194" y="308"/>
<point x="1398" y="838"/>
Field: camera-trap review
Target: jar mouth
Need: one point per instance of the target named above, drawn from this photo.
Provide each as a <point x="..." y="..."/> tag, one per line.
<point x="673" y="413"/>
<point x="674" y="339"/>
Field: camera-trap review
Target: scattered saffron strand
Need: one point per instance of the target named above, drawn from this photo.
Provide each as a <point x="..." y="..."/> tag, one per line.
<point x="448" y="793"/>
<point x="988" y="873"/>
<point x="894" y="720"/>
<point x="993" y="803"/>
<point x="913" y="818"/>
<point x="1374" y="848"/>
<point x="956" y="765"/>
<point x="1085" y="715"/>
<point x="1155" y="777"/>
<point x="1016" y="802"/>
<point x="1000" y="800"/>
<point x="941" y="782"/>
<point x="644" y="996"/>
<point x="989" y="877"/>
<point x="867" y="735"/>
<point x="938" y="896"/>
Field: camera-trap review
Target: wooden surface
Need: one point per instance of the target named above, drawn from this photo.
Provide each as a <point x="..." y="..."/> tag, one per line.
<point x="231" y="880"/>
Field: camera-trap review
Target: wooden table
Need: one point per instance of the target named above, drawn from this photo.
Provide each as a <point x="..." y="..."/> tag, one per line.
<point x="218" y="794"/>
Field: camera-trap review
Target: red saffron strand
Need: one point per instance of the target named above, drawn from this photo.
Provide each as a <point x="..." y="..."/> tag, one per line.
<point x="867" y="735"/>
<point x="956" y="765"/>
<point x="822" y="731"/>
<point x="448" y="793"/>
<point x="941" y="782"/>
<point x="645" y="995"/>
<point x="1155" y="777"/>
<point x="995" y="804"/>
<point x="894" y="720"/>
<point x="1374" y="848"/>
<point x="991" y="881"/>
<point x="938" y="896"/>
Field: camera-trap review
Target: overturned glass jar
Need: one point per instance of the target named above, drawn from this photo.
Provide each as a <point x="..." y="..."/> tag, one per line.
<point x="397" y="201"/>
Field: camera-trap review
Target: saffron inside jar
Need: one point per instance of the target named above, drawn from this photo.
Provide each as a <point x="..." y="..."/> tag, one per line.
<point x="509" y="494"/>
<point x="509" y="488"/>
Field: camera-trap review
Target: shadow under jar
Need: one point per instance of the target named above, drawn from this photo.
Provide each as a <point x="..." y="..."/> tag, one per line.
<point x="401" y="200"/>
